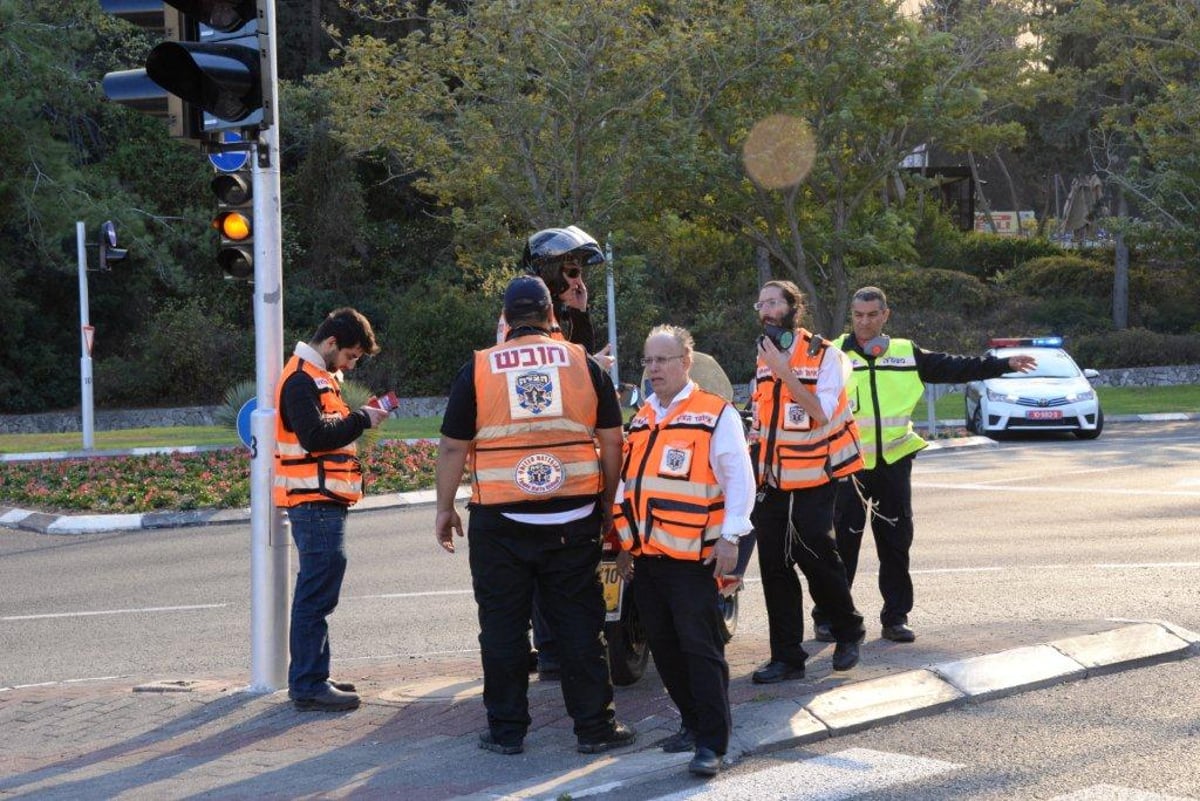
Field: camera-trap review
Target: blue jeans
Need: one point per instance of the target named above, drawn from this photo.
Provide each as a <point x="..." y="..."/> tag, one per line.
<point x="318" y="530"/>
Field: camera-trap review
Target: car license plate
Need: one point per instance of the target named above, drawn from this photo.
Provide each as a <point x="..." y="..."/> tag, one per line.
<point x="612" y="583"/>
<point x="1044" y="414"/>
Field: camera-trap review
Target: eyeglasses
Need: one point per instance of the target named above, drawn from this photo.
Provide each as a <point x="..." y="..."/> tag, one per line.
<point x="654" y="361"/>
<point x="762" y="304"/>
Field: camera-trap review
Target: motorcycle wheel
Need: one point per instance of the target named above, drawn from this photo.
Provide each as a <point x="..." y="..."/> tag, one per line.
<point x="628" y="652"/>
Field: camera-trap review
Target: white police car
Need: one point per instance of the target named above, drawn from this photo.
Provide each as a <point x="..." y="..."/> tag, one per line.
<point x="1056" y="396"/>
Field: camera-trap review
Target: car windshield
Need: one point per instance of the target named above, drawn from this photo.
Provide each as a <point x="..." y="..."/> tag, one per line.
<point x="1051" y="363"/>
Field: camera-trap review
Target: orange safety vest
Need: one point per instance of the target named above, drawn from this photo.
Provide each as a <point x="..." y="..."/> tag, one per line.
<point x="300" y="476"/>
<point x="535" y="423"/>
<point x="673" y="504"/>
<point x="792" y="450"/>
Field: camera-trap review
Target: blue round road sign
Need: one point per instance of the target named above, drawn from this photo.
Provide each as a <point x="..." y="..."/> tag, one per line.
<point x="229" y="160"/>
<point x="243" y="421"/>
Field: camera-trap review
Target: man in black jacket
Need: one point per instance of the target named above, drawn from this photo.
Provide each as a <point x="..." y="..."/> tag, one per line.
<point x="888" y="381"/>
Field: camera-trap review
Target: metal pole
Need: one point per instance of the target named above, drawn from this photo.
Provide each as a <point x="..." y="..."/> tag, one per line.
<point x="269" y="531"/>
<point x="931" y="394"/>
<point x="612" y="311"/>
<point x="85" y="360"/>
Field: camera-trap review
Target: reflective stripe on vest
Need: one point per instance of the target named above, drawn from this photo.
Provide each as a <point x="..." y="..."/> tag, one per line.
<point x="793" y="450"/>
<point x="301" y="476"/>
<point x="883" y="393"/>
<point x="535" y="423"/>
<point x="673" y="504"/>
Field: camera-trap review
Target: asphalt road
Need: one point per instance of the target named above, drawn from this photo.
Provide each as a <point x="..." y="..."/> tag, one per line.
<point x="1029" y="530"/>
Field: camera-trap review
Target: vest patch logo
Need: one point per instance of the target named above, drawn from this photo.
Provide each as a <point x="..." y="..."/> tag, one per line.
<point x="535" y="392"/>
<point x="550" y="354"/>
<point x="896" y="361"/>
<point x="795" y="418"/>
<point x="539" y="473"/>
<point x="676" y="461"/>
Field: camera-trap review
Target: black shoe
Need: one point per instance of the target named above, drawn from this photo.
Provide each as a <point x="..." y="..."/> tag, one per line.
<point x="327" y="699"/>
<point x="899" y="632"/>
<point x="680" y="741"/>
<point x="775" y="671"/>
<point x="620" y="736"/>
<point x="706" y="762"/>
<point x="344" y="686"/>
<point x="488" y="743"/>
<point x="823" y="633"/>
<point x="845" y="655"/>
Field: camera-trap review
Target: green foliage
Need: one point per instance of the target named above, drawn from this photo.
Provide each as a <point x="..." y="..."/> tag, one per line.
<point x="231" y="404"/>
<point x="1135" y="347"/>
<point x="985" y="255"/>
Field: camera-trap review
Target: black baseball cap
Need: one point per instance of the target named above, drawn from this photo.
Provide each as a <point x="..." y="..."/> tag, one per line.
<point x="526" y="295"/>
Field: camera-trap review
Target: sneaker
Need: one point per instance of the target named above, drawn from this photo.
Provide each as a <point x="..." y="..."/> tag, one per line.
<point x="488" y="743"/>
<point x="620" y="736"/>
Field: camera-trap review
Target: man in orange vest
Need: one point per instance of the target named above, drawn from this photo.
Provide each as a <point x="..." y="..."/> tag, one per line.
<point x="527" y="416"/>
<point x="559" y="257"/>
<point x="804" y="439"/>
<point x="318" y="477"/>
<point x="682" y="508"/>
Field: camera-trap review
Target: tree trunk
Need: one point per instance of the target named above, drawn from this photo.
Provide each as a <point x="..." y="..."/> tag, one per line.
<point x="1120" y="292"/>
<point x="762" y="260"/>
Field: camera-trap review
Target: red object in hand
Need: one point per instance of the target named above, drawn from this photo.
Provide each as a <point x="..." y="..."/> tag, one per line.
<point x="389" y="402"/>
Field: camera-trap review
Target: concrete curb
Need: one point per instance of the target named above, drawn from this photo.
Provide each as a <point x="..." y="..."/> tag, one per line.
<point x="781" y="724"/>
<point x="765" y="727"/>
<point x="45" y="523"/>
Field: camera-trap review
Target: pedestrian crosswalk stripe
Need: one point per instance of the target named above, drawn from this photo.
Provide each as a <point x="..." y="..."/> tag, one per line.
<point x="841" y="775"/>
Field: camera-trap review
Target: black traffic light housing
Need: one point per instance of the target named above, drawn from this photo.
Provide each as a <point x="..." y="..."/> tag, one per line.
<point x="234" y="223"/>
<point x="213" y="67"/>
<point x="109" y="252"/>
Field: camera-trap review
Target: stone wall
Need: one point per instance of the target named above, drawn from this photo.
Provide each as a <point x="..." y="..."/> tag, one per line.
<point x="115" y="420"/>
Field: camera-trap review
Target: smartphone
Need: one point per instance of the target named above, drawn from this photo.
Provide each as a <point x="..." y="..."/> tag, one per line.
<point x="389" y="402"/>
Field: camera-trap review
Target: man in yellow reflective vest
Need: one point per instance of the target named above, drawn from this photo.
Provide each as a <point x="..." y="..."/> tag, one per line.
<point x="318" y="477"/>
<point x="888" y="381"/>
<point x="683" y="506"/>
<point x="804" y="439"/>
<point x="538" y="423"/>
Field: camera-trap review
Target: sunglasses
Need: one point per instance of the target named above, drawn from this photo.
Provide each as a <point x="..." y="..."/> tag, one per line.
<point x="572" y="272"/>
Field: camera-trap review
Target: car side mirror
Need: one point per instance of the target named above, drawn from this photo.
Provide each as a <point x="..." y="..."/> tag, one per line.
<point x="1090" y="373"/>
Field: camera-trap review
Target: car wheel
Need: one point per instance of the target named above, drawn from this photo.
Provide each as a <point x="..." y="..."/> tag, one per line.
<point x="628" y="651"/>
<point x="975" y="424"/>
<point x="1096" y="431"/>
<point x="969" y="417"/>
<point x="729" y="615"/>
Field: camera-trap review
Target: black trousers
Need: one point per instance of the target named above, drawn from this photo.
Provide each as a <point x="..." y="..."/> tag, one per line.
<point x="508" y="560"/>
<point x="889" y="488"/>
<point x="815" y="552"/>
<point x="677" y="604"/>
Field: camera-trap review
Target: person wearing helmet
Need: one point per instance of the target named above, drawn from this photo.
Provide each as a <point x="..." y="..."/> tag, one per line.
<point x="558" y="256"/>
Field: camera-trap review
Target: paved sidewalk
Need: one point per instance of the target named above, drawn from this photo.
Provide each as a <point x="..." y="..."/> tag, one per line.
<point x="415" y="735"/>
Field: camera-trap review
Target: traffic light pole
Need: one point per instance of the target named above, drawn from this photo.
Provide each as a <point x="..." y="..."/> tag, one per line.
<point x="270" y="536"/>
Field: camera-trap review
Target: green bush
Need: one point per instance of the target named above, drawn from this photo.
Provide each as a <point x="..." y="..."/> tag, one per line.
<point x="1067" y="276"/>
<point x="1134" y="347"/>
<point x="985" y="255"/>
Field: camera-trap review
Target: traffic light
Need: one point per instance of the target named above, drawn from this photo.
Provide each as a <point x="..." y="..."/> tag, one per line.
<point x="234" y="223"/>
<point x="213" y="63"/>
<point x="109" y="252"/>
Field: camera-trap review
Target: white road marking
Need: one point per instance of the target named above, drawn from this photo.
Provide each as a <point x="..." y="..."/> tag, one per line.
<point x="844" y="774"/>
<point x="1058" y="490"/>
<point x="143" y="610"/>
<point x="1110" y="792"/>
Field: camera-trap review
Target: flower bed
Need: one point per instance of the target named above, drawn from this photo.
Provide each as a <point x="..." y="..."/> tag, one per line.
<point x="180" y="482"/>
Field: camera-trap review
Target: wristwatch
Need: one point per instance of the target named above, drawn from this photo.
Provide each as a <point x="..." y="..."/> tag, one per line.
<point x="734" y="538"/>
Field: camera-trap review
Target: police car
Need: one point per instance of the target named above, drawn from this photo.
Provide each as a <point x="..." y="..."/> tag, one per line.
<point x="1056" y="396"/>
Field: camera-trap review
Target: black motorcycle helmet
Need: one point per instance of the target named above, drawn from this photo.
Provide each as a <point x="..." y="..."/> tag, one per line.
<point x="546" y="250"/>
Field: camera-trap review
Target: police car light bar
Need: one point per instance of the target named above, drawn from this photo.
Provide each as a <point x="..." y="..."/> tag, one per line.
<point x="1026" y="342"/>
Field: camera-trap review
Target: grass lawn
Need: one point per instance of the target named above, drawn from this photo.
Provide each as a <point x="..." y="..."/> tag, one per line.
<point x="1113" y="400"/>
